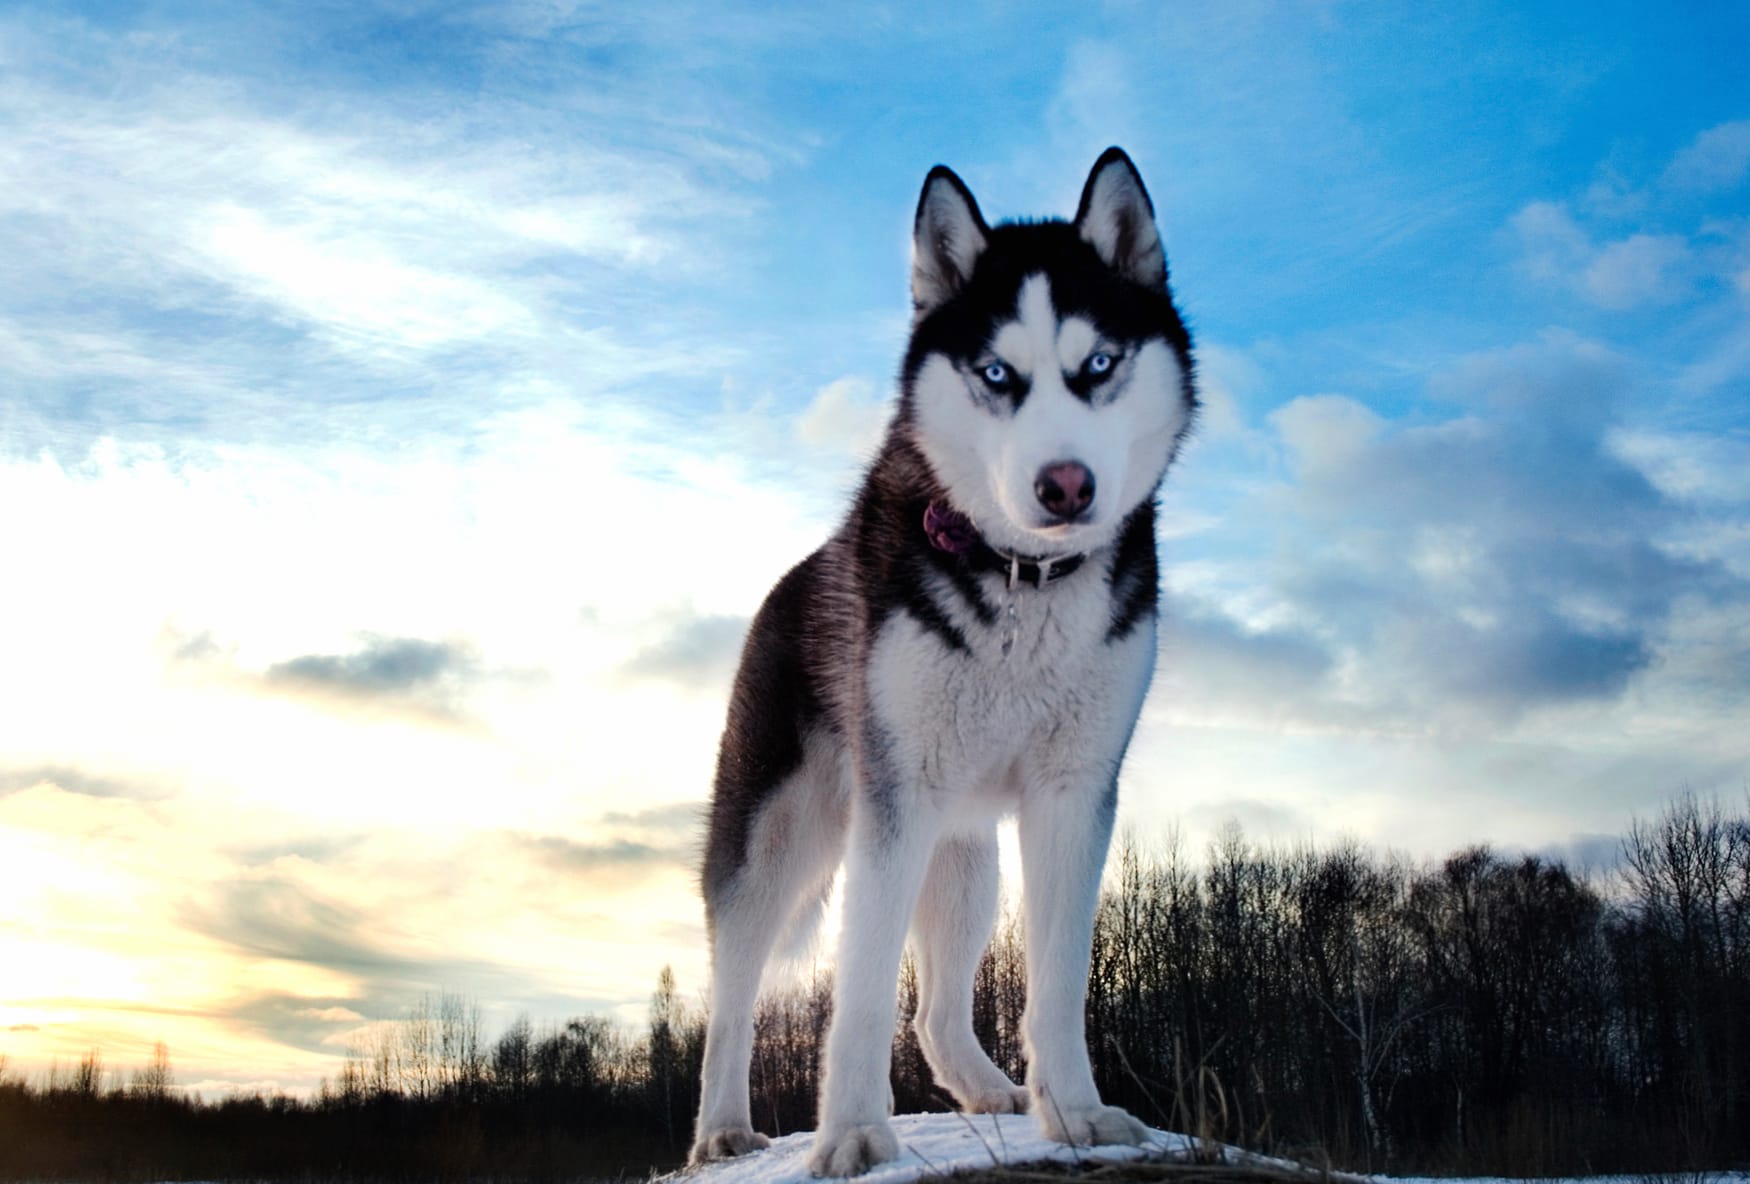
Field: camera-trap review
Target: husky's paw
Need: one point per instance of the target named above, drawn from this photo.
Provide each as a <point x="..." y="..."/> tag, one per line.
<point x="725" y="1143"/>
<point x="853" y="1150"/>
<point x="1008" y="1099"/>
<point x="1088" y="1125"/>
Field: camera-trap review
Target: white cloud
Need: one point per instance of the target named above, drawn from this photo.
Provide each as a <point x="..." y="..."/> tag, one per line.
<point x="1326" y="434"/>
<point x="1641" y="269"/>
<point x="1490" y="571"/>
<point x="1094" y="106"/>
<point x="353" y="287"/>
<point x="1689" y="467"/>
<point x="846" y="415"/>
<point x="552" y="547"/>
<point x="1555" y="247"/>
<point x="1716" y="160"/>
<point x="1226" y="378"/>
<point x="333" y="1015"/>
<point x="1651" y="266"/>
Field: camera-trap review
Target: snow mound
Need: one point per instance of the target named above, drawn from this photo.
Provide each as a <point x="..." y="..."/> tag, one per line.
<point x="932" y="1144"/>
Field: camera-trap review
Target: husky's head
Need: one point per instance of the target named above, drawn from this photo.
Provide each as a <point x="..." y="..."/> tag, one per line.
<point x="1048" y="382"/>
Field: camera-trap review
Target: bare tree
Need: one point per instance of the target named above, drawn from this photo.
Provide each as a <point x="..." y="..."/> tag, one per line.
<point x="154" y="1082"/>
<point x="461" y="1055"/>
<point x="513" y="1061"/>
<point x="1688" y="875"/>
<point x="87" y="1080"/>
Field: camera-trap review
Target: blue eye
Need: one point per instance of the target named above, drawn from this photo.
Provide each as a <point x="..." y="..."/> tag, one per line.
<point x="996" y="375"/>
<point x="1098" y="364"/>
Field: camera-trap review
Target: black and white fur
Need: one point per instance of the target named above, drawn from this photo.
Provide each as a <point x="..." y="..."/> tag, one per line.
<point x="896" y="699"/>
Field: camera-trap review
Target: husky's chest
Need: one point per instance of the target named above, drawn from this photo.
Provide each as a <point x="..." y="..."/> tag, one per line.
<point x="1044" y="671"/>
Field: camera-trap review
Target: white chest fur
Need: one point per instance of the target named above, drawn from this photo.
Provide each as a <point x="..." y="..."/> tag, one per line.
<point x="971" y="728"/>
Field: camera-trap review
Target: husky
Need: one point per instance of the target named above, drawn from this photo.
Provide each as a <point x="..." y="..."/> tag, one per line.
<point x="974" y="642"/>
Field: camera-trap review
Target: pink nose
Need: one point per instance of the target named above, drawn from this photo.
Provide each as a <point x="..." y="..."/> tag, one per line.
<point x="1065" y="488"/>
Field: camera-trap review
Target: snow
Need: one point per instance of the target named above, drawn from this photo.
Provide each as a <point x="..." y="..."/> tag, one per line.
<point x="1674" y="1176"/>
<point x="937" y="1144"/>
<point x="933" y="1144"/>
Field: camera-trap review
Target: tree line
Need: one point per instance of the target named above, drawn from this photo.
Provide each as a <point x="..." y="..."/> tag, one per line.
<point x="1489" y="1013"/>
<point x="422" y="1097"/>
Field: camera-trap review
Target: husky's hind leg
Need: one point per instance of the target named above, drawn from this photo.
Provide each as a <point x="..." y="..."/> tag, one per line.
<point x="951" y="929"/>
<point x="741" y="940"/>
<point x="793" y="848"/>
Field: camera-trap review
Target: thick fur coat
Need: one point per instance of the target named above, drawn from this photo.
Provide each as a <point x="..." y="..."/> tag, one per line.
<point x="974" y="642"/>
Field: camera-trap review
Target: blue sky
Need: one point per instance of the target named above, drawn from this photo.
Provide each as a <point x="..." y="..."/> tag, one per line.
<point x="402" y="410"/>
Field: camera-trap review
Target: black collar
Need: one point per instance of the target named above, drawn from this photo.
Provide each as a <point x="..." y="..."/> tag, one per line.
<point x="953" y="532"/>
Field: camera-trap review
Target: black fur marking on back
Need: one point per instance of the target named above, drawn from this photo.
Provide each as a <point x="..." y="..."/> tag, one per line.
<point x="773" y="706"/>
<point x="1135" y="574"/>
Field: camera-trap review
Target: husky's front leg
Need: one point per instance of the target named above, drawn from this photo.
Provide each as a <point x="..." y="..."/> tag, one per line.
<point x="892" y="834"/>
<point x="1065" y="829"/>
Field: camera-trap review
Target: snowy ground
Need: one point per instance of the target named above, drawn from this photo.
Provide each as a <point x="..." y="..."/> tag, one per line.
<point x="1672" y="1177"/>
<point x="941" y="1143"/>
<point x="933" y="1143"/>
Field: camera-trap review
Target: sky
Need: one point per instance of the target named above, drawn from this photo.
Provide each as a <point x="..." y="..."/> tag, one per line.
<point x="404" y="408"/>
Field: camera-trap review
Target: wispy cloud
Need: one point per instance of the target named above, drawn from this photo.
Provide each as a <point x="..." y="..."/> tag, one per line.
<point x="1636" y="270"/>
<point x="698" y="652"/>
<point x="218" y="252"/>
<point x="386" y="665"/>
<point x="393" y="671"/>
<point x="79" y="781"/>
<point x="1716" y="160"/>
<point x="287" y="921"/>
<point x="619" y="861"/>
<point x="847" y="415"/>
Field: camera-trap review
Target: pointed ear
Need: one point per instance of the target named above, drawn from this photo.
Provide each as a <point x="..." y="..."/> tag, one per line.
<point x="1118" y="220"/>
<point x="947" y="238"/>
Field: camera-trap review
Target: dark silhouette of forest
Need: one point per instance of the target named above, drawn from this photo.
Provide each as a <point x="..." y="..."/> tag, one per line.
<point x="1490" y="1013"/>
